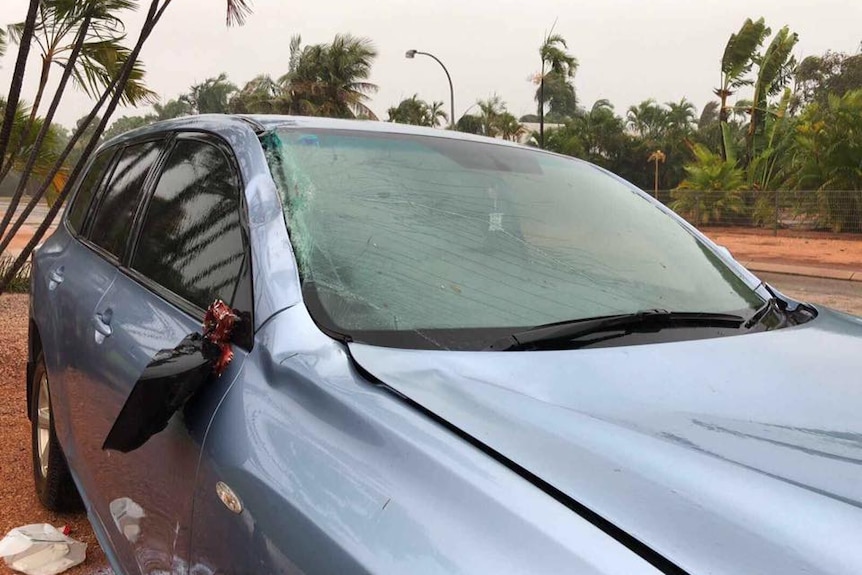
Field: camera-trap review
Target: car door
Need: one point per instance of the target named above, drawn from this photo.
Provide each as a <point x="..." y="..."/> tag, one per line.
<point x="191" y="248"/>
<point x="71" y="282"/>
<point x="89" y="272"/>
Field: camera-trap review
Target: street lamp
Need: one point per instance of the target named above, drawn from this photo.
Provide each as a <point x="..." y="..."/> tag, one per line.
<point x="411" y="54"/>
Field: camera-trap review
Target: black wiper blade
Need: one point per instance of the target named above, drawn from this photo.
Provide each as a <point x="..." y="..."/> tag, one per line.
<point x="647" y="320"/>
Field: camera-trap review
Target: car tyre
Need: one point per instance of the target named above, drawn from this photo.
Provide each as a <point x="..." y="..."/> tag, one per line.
<point x="54" y="484"/>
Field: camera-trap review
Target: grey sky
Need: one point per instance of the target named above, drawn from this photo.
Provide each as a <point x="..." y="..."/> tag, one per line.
<point x="628" y="50"/>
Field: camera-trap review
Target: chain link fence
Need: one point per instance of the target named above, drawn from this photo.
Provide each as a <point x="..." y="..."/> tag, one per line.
<point x="781" y="210"/>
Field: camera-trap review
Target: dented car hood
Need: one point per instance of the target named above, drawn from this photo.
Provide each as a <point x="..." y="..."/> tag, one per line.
<point x="733" y="455"/>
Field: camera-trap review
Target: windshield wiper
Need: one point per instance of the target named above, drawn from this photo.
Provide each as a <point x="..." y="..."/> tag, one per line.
<point x="647" y="320"/>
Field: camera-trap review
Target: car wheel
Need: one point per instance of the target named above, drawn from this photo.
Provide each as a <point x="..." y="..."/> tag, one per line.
<point x="54" y="484"/>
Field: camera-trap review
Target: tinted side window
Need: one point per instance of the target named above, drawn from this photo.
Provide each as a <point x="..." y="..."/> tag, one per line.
<point x="88" y="187"/>
<point x="113" y="220"/>
<point x="191" y="241"/>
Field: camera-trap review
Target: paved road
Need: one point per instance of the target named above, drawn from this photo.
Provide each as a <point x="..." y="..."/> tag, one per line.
<point x="839" y="294"/>
<point x="35" y="217"/>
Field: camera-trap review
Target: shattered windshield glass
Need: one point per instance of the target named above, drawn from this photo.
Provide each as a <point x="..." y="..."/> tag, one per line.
<point x="401" y="233"/>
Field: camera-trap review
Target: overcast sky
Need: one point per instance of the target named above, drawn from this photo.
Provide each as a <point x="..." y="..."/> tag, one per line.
<point x="629" y="50"/>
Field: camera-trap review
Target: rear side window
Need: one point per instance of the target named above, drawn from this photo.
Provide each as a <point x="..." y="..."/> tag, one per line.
<point x="113" y="220"/>
<point x="191" y="241"/>
<point x="88" y="187"/>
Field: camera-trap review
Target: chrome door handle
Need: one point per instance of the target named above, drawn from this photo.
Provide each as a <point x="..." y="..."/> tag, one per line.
<point x="102" y="325"/>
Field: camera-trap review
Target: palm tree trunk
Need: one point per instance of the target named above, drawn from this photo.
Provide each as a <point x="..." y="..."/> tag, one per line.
<point x="25" y="133"/>
<point x="722" y="123"/>
<point x="37" y="145"/>
<point x="17" y="79"/>
<point x="43" y="81"/>
<point x="542" y="108"/>
<point x="116" y="89"/>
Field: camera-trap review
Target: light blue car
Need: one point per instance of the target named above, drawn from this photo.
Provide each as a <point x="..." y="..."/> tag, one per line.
<point x="453" y="355"/>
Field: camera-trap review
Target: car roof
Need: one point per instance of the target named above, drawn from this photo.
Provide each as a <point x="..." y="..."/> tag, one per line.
<point x="259" y="123"/>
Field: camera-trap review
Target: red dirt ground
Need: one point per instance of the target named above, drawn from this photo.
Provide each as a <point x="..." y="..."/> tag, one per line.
<point x="815" y="249"/>
<point x="18" y="502"/>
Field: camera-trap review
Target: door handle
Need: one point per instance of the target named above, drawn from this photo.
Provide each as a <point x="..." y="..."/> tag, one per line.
<point x="102" y="325"/>
<point x="55" y="278"/>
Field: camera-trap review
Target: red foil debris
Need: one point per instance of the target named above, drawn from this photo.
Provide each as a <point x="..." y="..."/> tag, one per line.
<point x="219" y="322"/>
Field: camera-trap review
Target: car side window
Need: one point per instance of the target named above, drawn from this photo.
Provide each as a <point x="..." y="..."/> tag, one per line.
<point x="191" y="241"/>
<point x="89" y="185"/>
<point x="113" y="220"/>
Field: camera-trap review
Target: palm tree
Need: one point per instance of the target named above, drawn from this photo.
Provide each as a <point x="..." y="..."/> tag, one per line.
<point x="737" y="61"/>
<point x="561" y="67"/>
<point x="490" y="111"/>
<point x="681" y="116"/>
<point x="410" y="110"/>
<point x="331" y="79"/>
<point x="210" y="96"/>
<point x="437" y="115"/>
<point x="708" y="115"/>
<point x="417" y="112"/>
<point x="128" y="70"/>
<point x="658" y="157"/>
<point x="649" y="120"/>
<point x="101" y="54"/>
<point x="2" y="42"/>
<point x="17" y="79"/>
<point x="509" y="127"/>
<point x="83" y="39"/>
<point x="261" y="95"/>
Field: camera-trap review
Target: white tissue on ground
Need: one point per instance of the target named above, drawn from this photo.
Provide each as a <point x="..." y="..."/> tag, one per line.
<point x="41" y="549"/>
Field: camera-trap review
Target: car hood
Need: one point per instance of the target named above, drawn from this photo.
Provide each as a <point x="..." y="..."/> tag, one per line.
<point x="730" y="455"/>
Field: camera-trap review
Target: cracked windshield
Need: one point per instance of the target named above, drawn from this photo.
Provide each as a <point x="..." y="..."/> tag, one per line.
<point x="414" y="233"/>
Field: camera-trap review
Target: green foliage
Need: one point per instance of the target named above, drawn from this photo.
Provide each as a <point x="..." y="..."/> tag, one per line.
<point x="558" y="71"/>
<point x="509" y="128"/>
<point x="774" y="70"/>
<point x="102" y="55"/>
<point x="418" y="112"/>
<point x="826" y="156"/>
<point x="124" y="124"/>
<point x="740" y="53"/>
<point x="20" y="282"/>
<point x="22" y="141"/>
<point x="817" y="77"/>
<point x="648" y="120"/>
<point x="469" y="124"/>
<point x="262" y="95"/>
<point x="210" y="96"/>
<point x="330" y="79"/>
<point x="711" y="191"/>
<point x="172" y="109"/>
<point x="490" y="111"/>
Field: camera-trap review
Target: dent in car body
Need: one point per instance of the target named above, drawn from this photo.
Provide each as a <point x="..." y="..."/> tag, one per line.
<point x="750" y="464"/>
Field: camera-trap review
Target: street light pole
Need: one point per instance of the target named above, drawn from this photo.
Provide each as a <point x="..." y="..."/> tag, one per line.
<point x="412" y="53"/>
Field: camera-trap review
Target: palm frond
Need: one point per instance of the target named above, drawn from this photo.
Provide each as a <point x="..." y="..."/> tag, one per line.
<point x="237" y="12"/>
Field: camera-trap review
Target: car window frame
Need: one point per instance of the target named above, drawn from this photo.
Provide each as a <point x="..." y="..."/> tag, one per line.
<point x="244" y="290"/>
<point x="111" y="152"/>
<point x="98" y="197"/>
